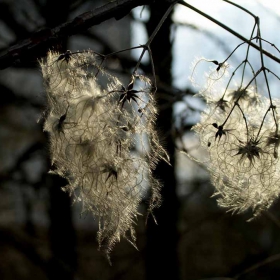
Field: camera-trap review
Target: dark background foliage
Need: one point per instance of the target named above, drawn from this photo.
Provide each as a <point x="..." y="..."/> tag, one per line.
<point x="43" y="236"/>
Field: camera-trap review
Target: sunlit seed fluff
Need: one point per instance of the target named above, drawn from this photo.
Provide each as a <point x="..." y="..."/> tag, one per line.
<point x="242" y="142"/>
<point x="92" y="131"/>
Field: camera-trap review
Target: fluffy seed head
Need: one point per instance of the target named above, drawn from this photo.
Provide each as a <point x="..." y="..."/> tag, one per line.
<point x="94" y="122"/>
<point x="240" y="132"/>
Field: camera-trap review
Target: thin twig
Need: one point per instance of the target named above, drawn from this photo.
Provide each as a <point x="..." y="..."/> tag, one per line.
<point x="151" y="38"/>
<point x="266" y="261"/>
<point x="268" y="54"/>
<point x="241" y="8"/>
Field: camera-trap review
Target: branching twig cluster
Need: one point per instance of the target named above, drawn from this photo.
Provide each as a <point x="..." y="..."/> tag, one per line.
<point x="240" y="130"/>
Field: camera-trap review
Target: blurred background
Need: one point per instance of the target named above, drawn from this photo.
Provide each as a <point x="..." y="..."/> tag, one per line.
<point x="44" y="236"/>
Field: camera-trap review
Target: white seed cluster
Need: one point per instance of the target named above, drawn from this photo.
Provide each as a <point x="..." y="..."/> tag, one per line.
<point x="102" y="140"/>
<point x="240" y="132"/>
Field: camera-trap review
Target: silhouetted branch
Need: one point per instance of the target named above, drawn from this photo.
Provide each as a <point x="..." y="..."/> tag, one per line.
<point x="236" y="34"/>
<point x="40" y="42"/>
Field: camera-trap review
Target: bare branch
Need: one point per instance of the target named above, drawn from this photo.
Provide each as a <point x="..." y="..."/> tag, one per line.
<point x="40" y="42"/>
<point x="249" y="42"/>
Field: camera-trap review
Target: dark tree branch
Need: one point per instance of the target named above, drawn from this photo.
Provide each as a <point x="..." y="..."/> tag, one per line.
<point x="40" y="42"/>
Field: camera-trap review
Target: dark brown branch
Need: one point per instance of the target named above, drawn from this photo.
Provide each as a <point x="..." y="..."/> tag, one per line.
<point x="40" y="42"/>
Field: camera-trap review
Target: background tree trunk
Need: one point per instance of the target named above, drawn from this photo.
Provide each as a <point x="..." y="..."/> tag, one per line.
<point x="62" y="234"/>
<point x="162" y="257"/>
